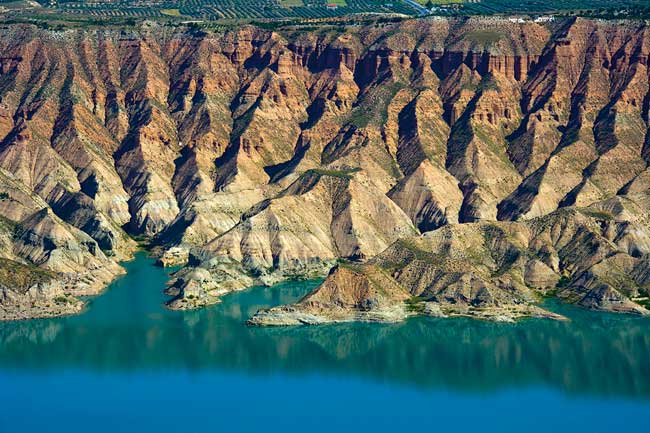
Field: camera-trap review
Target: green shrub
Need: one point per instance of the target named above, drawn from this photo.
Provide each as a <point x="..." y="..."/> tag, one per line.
<point x="415" y="305"/>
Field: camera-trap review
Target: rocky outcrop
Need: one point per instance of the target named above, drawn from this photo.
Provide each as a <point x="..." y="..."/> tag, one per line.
<point x="301" y="232"/>
<point x="348" y="294"/>
<point x="490" y="270"/>
<point x="46" y="261"/>
<point x="46" y="264"/>
<point x="28" y="292"/>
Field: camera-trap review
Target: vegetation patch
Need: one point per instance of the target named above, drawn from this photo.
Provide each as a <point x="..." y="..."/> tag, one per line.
<point x="415" y="304"/>
<point x="291" y="3"/>
<point x="356" y="268"/>
<point x="62" y="300"/>
<point x="597" y="214"/>
<point x="21" y="277"/>
<point x="171" y="12"/>
<point x="373" y="108"/>
<point x="420" y="254"/>
<point x="563" y="282"/>
<point x="645" y="303"/>
<point x="432" y="3"/>
<point x="485" y="37"/>
<point x="343" y="174"/>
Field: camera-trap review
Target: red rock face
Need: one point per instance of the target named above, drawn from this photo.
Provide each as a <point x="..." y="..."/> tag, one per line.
<point x="176" y="135"/>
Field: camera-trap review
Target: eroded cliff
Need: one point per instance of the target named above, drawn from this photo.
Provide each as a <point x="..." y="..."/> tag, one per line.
<point x="253" y="156"/>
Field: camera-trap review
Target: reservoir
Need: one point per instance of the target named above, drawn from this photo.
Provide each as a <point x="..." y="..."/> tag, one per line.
<point x="127" y="364"/>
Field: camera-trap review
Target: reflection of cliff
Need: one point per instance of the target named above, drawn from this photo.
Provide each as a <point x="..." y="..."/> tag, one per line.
<point x="593" y="354"/>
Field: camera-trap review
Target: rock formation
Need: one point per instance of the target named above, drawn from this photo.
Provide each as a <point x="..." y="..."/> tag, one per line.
<point x="252" y="156"/>
<point x="489" y="270"/>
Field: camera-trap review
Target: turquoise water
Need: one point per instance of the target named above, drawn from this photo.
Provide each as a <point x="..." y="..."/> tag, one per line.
<point x="129" y="365"/>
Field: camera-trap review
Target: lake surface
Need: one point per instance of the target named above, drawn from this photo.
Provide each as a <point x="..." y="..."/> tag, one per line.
<point x="129" y="365"/>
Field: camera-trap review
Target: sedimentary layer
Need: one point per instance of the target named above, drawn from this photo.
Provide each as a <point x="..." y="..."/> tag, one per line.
<point x="252" y="156"/>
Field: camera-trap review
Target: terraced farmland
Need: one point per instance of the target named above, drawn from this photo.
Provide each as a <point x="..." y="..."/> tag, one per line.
<point x="185" y="10"/>
<point x="236" y="9"/>
<point x="491" y="7"/>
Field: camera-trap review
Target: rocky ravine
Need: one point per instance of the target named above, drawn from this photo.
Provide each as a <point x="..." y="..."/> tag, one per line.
<point x="251" y="156"/>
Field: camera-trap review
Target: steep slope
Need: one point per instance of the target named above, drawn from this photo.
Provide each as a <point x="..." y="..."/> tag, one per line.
<point x="45" y="261"/>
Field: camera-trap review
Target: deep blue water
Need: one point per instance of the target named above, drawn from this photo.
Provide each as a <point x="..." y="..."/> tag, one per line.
<point x="129" y="365"/>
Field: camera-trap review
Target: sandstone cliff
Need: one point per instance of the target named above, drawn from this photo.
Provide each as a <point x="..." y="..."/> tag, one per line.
<point x="254" y="156"/>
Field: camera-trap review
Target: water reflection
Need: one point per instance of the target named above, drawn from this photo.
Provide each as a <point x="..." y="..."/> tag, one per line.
<point x="127" y="330"/>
